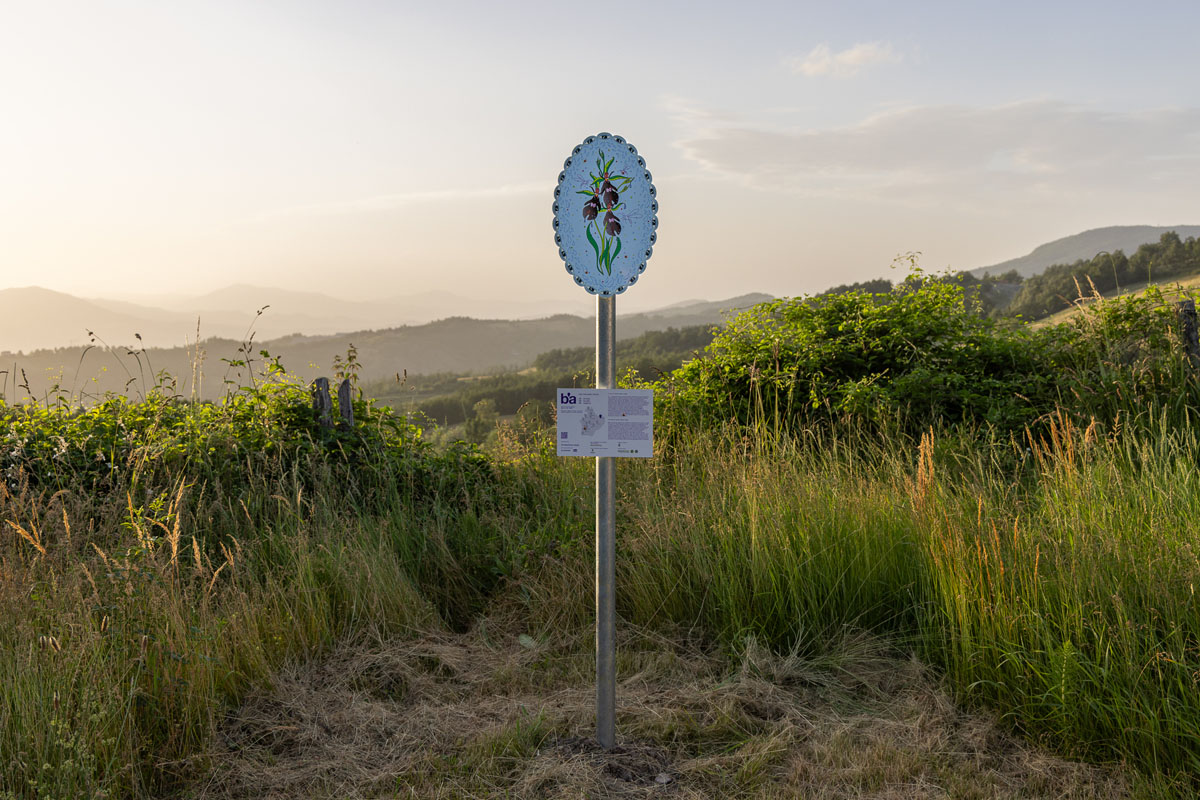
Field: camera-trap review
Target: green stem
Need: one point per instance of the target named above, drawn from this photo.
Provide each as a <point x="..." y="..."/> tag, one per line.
<point x="603" y="248"/>
<point x="600" y="236"/>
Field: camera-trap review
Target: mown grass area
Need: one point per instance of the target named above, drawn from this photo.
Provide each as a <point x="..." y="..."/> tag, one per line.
<point x="495" y="712"/>
<point x="163" y="561"/>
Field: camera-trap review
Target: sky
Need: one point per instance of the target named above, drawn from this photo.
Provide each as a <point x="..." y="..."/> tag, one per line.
<point x="367" y="149"/>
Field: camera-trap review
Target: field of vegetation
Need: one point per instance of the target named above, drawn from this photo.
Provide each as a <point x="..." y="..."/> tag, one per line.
<point x="884" y="504"/>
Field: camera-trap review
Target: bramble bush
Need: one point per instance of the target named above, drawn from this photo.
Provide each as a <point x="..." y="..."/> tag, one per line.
<point x="258" y="435"/>
<point x="917" y="352"/>
<point x="921" y="355"/>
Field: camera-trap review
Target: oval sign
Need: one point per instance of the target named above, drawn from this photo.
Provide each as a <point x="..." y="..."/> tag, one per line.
<point x="605" y="214"/>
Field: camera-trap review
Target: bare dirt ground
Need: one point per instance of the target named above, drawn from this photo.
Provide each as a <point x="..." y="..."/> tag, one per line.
<point x="495" y="713"/>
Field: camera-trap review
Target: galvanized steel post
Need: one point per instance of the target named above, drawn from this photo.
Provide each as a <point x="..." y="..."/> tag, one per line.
<point x="606" y="479"/>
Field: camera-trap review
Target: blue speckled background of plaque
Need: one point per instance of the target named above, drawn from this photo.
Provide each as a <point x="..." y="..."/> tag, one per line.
<point x="605" y="214"/>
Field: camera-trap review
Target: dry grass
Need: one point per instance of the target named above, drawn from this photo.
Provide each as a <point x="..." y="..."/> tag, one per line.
<point x="492" y="713"/>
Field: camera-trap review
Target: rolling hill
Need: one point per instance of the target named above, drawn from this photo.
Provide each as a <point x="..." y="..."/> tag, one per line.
<point x="32" y="317"/>
<point x="1085" y="245"/>
<point x="36" y="318"/>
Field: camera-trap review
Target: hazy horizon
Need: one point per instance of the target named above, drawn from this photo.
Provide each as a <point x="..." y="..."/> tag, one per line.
<point x="367" y="150"/>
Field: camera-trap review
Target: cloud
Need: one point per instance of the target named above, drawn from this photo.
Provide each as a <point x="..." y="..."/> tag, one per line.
<point x="822" y="61"/>
<point x="689" y="113"/>
<point x="1044" y="148"/>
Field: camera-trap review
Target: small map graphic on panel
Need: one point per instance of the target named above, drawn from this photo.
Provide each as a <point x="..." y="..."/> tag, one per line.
<point x="591" y="423"/>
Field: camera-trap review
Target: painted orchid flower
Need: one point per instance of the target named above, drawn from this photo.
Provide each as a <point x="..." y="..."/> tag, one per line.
<point x="608" y="194"/>
<point x="612" y="225"/>
<point x="591" y="208"/>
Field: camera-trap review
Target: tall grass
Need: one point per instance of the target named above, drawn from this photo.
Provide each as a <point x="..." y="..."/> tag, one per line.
<point x="1059" y="592"/>
<point x="1075" y="613"/>
<point x="144" y="592"/>
<point x="120" y="661"/>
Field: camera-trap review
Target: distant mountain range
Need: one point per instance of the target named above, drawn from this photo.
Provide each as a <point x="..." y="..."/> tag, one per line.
<point x="456" y="344"/>
<point x="34" y="318"/>
<point x="1070" y="249"/>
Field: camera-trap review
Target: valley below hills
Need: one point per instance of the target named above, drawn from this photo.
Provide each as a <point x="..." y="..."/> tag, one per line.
<point x="216" y="366"/>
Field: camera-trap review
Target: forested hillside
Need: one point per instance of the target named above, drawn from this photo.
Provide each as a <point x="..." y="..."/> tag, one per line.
<point x="449" y="399"/>
<point x="1169" y="259"/>
<point x="1070" y="249"/>
<point x="1009" y="294"/>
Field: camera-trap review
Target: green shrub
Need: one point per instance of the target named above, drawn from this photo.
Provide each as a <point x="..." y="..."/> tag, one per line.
<point x="261" y="434"/>
<point x="921" y="356"/>
<point x="918" y="353"/>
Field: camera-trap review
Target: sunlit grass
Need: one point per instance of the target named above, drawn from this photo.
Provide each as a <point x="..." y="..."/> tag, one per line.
<point x="1059" y="592"/>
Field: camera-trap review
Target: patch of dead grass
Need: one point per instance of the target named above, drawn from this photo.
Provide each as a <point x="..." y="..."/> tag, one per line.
<point x="484" y="715"/>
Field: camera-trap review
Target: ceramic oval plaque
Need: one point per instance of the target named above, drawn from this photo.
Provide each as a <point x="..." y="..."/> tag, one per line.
<point x="605" y="214"/>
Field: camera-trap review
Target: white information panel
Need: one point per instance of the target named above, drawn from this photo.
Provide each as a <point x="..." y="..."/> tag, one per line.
<point x="606" y="422"/>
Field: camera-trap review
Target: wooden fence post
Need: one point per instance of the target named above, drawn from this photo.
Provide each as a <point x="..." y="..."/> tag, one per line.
<point x="1188" y="330"/>
<point x="322" y="403"/>
<point x="346" y="404"/>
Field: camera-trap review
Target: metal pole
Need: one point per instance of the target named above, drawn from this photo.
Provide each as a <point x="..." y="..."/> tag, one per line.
<point x="606" y="481"/>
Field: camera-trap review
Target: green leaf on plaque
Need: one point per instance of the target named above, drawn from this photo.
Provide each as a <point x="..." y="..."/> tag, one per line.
<point x="592" y="239"/>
